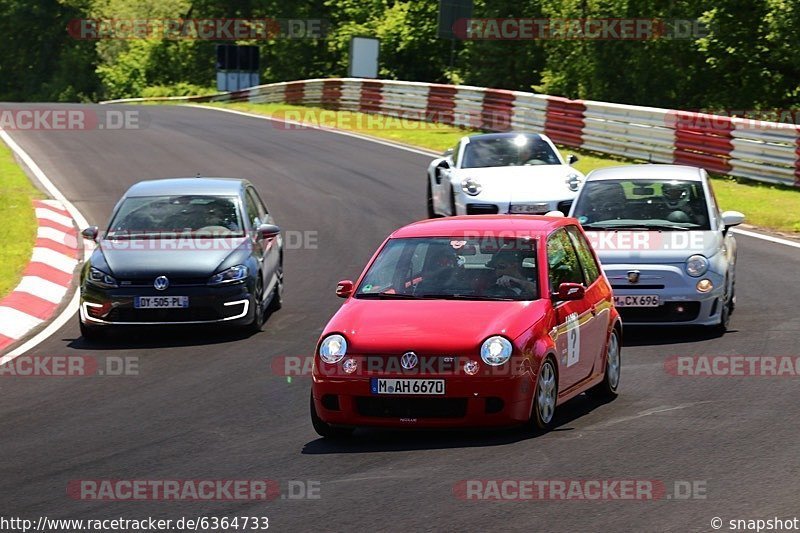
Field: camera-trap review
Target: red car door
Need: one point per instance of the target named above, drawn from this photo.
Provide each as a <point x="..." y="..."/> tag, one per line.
<point x="599" y="299"/>
<point x="575" y="330"/>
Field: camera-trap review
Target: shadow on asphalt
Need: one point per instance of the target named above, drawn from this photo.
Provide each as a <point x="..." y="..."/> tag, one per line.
<point x="369" y="440"/>
<point x="137" y="337"/>
<point x="655" y="336"/>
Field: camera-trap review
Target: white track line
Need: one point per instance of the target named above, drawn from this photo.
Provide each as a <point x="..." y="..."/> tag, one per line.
<point x="768" y="238"/>
<point x="67" y="313"/>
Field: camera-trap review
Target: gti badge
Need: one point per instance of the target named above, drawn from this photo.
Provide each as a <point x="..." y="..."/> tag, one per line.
<point x="161" y="283"/>
<point x="633" y="276"/>
<point x="409" y="360"/>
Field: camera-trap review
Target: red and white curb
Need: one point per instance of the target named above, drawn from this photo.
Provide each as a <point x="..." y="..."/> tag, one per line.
<point x="47" y="278"/>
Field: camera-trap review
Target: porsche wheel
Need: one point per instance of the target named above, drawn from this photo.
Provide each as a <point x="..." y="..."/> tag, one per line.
<point x="431" y="211"/>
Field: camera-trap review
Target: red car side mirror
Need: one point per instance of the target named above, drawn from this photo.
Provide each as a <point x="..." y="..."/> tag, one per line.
<point x="344" y="288"/>
<point x="570" y="291"/>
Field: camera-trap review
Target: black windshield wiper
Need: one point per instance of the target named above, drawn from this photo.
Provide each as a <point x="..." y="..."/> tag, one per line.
<point x="387" y="295"/>
<point x="463" y="297"/>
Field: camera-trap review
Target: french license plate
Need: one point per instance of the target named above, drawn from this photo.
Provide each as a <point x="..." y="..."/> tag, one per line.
<point x="161" y="302"/>
<point x="637" y="300"/>
<point x="528" y="208"/>
<point x="407" y="386"/>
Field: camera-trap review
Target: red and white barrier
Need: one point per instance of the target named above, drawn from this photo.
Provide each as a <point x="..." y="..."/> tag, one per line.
<point x="47" y="277"/>
<point x="759" y="150"/>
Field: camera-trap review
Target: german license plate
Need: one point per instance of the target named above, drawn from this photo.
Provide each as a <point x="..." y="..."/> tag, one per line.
<point x="407" y="386"/>
<point x="528" y="208"/>
<point x="637" y="300"/>
<point x="161" y="302"/>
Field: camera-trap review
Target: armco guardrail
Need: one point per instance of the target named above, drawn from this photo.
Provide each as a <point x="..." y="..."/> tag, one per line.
<point x="759" y="150"/>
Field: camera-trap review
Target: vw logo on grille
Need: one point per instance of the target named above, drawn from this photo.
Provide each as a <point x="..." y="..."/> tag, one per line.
<point x="161" y="283"/>
<point x="633" y="276"/>
<point x="409" y="360"/>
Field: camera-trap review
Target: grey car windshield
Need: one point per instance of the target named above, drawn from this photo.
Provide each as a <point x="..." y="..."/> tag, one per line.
<point x="515" y="151"/>
<point x="453" y="268"/>
<point x="643" y="204"/>
<point x="157" y="216"/>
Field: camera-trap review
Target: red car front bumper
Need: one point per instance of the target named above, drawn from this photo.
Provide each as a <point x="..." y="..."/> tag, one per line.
<point x="468" y="402"/>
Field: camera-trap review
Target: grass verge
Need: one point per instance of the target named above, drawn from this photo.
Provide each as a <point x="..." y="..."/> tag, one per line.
<point x="18" y="228"/>
<point x="768" y="206"/>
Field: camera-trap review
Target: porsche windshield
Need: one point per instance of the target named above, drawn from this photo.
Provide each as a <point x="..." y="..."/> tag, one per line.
<point x="643" y="204"/>
<point x="158" y="216"/>
<point x="484" y="268"/>
<point x="520" y="150"/>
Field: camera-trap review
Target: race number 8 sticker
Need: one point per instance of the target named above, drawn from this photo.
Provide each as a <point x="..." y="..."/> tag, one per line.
<point x="573" y="339"/>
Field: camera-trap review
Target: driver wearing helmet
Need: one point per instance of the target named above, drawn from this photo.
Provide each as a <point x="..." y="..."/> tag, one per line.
<point x="507" y="267"/>
<point x="440" y="270"/>
<point x="677" y="196"/>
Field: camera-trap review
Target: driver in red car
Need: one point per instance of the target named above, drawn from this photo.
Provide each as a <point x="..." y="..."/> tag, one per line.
<point x="509" y="274"/>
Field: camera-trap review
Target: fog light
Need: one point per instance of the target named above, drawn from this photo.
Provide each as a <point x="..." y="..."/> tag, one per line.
<point x="350" y="366"/>
<point x="97" y="310"/>
<point x="679" y="309"/>
<point x="704" y="285"/>
<point x="471" y="367"/>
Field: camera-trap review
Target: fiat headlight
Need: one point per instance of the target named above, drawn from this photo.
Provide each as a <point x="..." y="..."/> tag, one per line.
<point x="496" y="350"/>
<point x="696" y="266"/>
<point x="333" y="349"/>
<point x="471" y="186"/>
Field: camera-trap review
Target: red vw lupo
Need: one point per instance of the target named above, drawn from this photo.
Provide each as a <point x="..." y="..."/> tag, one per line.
<point x="467" y="322"/>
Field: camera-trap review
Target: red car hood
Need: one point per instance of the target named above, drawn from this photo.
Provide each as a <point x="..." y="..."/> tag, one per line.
<point x="430" y="326"/>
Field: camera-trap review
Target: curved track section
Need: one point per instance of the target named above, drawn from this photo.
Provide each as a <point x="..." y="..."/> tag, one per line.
<point x="210" y="406"/>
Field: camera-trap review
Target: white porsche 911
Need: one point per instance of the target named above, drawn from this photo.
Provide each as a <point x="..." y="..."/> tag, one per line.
<point x="502" y="173"/>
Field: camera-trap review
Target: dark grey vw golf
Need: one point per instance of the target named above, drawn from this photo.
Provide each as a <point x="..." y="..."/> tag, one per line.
<point x="183" y="251"/>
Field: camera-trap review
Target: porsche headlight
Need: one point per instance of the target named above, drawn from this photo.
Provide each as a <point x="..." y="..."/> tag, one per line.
<point x="333" y="349"/>
<point x="696" y="266"/>
<point x="496" y="350"/>
<point x="573" y="181"/>
<point x="101" y="279"/>
<point x="471" y="186"/>
<point x="231" y="275"/>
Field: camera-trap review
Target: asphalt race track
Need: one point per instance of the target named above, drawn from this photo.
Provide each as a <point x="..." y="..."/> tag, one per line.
<point x="209" y="406"/>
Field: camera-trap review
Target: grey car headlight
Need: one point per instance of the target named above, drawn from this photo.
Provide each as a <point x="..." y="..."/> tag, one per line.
<point x="101" y="279"/>
<point x="696" y="266"/>
<point x="471" y="186"/>
<point x="333" y="349"/>
<point x="232" y="275"/>
<point x="496" y="350"/>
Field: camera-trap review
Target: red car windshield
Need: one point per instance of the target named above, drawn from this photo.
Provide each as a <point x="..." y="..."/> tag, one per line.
<point x="485" y="268"/>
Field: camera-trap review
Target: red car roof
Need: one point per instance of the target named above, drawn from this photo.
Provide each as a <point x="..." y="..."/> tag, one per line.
<point x="450" y="226"/>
